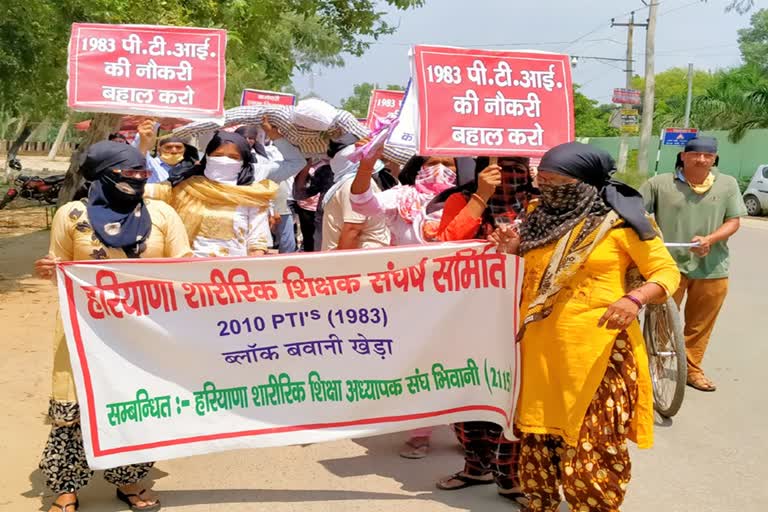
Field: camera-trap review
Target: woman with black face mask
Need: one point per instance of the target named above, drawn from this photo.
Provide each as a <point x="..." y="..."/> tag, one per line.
<point x="114" y="221"/>
<point x="585" y="384"/>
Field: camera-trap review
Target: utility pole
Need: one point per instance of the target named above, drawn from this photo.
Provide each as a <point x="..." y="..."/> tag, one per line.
<point x="646" y="125"/>
<point x="624" y="144"/>
<point x="689" y="99"/>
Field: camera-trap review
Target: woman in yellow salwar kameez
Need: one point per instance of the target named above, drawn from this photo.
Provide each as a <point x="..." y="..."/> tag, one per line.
<point x="586" y="387"/>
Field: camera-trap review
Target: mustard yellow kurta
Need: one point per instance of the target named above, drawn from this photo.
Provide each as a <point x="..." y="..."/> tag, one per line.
<point x="565" y="356"/>
<point x="73" y="239"/>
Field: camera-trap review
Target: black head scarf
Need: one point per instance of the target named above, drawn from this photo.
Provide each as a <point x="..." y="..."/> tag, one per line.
<point x="246" y="175"/>
<point x="119" y="219"/>
<point x="595" y="167"/>
<point x="252" y="132"/>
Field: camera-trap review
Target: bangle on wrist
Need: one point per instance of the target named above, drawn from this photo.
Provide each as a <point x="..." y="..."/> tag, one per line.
<point x="634" y="299"/>
<point x="477" y="196"/>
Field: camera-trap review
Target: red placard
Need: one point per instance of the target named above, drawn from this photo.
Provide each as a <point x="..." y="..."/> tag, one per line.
<point x="253" y="97"/>
<point x="384" y="104"/>
<point x="167" y="71"/>
<point x="492" y="103"/>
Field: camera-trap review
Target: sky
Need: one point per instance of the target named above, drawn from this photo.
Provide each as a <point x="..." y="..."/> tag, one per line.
<point x="688" y="31"/>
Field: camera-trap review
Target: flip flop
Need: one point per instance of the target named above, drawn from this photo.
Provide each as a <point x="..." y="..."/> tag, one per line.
<point x="701" y="382"/>
<point x="414" y="450"/>
<point x="466" y="482"/>
<point x="515" y="495"/>
<point x="64" y="507"/>
<point x="126" y="498"/>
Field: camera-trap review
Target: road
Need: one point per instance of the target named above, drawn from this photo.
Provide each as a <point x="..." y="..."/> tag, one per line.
<point x="712" y="457"/>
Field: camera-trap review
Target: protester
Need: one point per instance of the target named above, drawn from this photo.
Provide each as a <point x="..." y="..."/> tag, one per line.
<point x="225" y="212"/>
<point x="285" y="228"/>
<point x="697" y="203"/>
<point x="307" y="193"/>
<point x="585" y="385"/>
<point x="489" y="457"/>
<point x="400" y="206"/>
<point x="114" y="222"/>
<point x="270" y="163"/>
<point x="499" y="193"/>
<point x="343" y="228"/>
<point x="174" y="154"/>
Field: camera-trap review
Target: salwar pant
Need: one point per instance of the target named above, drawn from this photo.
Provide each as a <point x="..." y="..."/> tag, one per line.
<point x="705" y="299"/>
<point x="595" y="473"/>
<point x="63" y="462"/>
<point x="486" y="450"/>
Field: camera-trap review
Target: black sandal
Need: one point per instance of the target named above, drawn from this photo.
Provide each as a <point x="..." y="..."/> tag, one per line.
<point x="466" y="482"/>
<point x="64" y="508"/>
<point x="126" y="498"/>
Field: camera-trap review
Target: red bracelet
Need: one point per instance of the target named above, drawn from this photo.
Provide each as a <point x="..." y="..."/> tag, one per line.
<point x="635" y="300"/>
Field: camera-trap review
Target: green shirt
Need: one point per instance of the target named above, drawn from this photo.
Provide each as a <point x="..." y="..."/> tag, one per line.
<point x="683" y="214"/>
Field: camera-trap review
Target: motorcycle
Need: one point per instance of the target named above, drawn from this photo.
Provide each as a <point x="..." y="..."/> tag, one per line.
<point x="33" y="187"/>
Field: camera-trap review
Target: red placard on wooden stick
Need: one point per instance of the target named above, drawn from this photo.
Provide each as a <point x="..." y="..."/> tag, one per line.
<point x="494" y="103"/>
<point x="152" y="70"/>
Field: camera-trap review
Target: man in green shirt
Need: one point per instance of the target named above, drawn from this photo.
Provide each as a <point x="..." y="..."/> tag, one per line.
<point x="699" y="205"/>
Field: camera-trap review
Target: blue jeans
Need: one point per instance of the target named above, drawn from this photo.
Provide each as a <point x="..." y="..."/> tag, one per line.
<point x="286" y="238"/>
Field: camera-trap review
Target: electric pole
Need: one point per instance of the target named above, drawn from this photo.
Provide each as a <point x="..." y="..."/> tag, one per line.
<point x="624" y="144"/>
<point x="646" y="125"/>
<point x="689" y="99"/>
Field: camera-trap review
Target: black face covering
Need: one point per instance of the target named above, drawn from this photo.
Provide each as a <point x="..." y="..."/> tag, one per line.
<point x="595" y="167"/>
<point x="118" y="218"/>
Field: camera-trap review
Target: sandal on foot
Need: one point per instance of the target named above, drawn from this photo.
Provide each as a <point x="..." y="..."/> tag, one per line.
<point x="65" y="507"/>
<point x="126" y="498"/>
<point x="466" y="481"/>
<point x="414" y="449"/>
<point x="515" y="495"/>
<point x="701" y="382"/>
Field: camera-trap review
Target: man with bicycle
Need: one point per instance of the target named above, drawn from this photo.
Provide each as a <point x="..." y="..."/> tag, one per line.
<point x="697" y="203"/>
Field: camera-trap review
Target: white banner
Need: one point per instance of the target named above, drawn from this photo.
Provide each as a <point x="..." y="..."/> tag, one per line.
<point x="180" y="357"/>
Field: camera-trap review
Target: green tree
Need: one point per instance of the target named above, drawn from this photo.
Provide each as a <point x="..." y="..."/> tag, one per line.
<point x="737" y="101"/>
<point x="672" y="92"/>
<point x="358" y="103"/>
<point x="753" y="41"/>
<point x="267" y="41"/>
<point x="592" y="119"/>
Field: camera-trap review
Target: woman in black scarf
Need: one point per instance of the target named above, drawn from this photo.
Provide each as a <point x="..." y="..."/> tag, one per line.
<point x="113" y="222"/>
<point x="585" y="385"/>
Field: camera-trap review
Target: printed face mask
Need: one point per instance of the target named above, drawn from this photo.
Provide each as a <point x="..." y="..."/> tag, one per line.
<point x="223" y="169"/>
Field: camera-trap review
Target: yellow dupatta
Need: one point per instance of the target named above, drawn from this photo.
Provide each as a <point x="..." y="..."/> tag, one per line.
<point x="566" y="258"/>
<point x="194" y="197"/>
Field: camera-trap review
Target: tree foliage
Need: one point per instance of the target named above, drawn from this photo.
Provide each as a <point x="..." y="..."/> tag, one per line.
<point x="672" y="92"/>
<point x="268" y="39"/>
<point x="753" y="41"/>
<point x="358" y="103"/>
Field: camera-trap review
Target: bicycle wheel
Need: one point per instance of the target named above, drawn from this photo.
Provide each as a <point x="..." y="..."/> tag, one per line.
<point x="665" y="344"/>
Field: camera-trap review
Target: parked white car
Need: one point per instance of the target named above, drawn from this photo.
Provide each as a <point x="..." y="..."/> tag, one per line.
<point x="756" y="195"/>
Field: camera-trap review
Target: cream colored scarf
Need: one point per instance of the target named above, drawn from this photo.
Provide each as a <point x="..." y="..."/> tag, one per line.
<point x="193" y="197"/>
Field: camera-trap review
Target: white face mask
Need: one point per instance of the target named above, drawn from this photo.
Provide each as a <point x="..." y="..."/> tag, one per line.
<point x="223" y="169"/>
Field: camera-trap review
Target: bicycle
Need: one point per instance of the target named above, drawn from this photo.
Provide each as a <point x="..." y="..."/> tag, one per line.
<point x="665" y="345"/>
